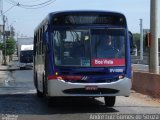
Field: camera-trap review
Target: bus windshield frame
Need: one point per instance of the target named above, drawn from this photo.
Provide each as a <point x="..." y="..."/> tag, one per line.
<point x="86" y="39"/>
<point x="74" y="19"/>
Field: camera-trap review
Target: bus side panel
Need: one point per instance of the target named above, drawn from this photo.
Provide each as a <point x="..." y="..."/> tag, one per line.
<point x="128" y="58"/>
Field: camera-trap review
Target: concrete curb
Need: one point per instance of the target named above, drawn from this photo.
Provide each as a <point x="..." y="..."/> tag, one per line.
<point x="146" y="83"/>
<point x="10" y="69"/>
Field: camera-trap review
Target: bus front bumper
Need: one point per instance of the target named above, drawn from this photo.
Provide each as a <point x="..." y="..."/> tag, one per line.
<point x="60" y="88"/>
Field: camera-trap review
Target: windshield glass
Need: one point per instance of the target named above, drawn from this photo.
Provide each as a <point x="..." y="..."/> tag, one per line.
<point x="27" y="53"/>
<point x="26" y="56"/>
<point x="89" y="47"/>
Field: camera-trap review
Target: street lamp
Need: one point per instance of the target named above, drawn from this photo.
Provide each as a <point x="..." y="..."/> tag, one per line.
<point x="4" y="40"/>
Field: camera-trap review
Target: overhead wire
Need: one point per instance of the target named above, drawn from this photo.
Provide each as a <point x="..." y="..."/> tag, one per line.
<point x="31" y="1"/>
<point x="11" y="2"/>
<point x="31" y="6"/>
<point x="8" y="9"/>
<point x="38" y="5"/>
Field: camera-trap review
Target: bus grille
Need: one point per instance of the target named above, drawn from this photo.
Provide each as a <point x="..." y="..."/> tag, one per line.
<point x="26" y="59"/>
<point x="84" y="91"/>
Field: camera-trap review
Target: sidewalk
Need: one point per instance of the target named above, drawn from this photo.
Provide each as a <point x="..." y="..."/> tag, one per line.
<point x="10" y="67"/>
<point x="3" y="73"/>
<point x="5" y="69"/>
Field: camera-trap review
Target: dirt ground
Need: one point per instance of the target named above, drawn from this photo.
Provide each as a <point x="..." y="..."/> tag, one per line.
<point x="147" y="98"/>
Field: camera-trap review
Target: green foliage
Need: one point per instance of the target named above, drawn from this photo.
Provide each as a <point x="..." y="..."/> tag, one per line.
<point x="137" y="39"/>
<point x="136" y="36"/>
<point x="1" y="46"/>
<point x="10" y="46"/>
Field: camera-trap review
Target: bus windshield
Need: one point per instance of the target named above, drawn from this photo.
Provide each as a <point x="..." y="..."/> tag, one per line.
<point x="26" y="56"/>
<point x="89" y="47"/>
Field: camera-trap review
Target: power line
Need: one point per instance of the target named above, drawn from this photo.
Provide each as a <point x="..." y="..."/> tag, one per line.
<point x="31" y="1"/>
<point x="25" y="5"/>
<point x="37" y="6"/>
<point x="33" y="6"/>
<point x="11" y="2"/>
<point x="9" y="9"/>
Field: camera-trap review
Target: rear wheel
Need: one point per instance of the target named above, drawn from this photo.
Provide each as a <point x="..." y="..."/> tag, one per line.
<point x="110" y="101"/>
<point x="39" y="93"/>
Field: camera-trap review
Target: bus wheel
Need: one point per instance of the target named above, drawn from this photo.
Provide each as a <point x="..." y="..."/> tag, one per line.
<point x="109" y="101"/>
<point x="44" y="86"/>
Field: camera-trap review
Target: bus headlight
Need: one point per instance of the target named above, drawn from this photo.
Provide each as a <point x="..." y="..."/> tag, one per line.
<point x="121" y="77"/>
<point x="56" y="73"/>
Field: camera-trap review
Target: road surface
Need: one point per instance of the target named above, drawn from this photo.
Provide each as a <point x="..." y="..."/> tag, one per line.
<point x="18" y="99"/>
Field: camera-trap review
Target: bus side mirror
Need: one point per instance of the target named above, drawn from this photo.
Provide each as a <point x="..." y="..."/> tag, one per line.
<point x="133" y="46"/>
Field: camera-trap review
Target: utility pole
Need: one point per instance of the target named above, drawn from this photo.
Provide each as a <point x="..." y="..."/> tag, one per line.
<point x="4" y="41"/>
<point x="1" y="6"/>
<point x="154" y="56"/>
<point x="141" y="39"/>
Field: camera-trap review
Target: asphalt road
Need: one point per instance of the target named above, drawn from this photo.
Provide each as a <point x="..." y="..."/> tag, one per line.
<point x="18" y="100"/>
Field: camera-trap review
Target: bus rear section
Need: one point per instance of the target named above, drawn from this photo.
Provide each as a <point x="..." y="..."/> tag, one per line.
<point x="89" y="56"/>
<point x="26" y="59"/>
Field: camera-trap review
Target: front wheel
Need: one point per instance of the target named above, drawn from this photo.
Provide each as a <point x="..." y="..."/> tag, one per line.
<point x="110" y="101"/>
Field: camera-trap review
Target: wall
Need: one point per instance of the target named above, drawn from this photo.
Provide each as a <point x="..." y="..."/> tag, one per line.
<point x="146" y="83"/>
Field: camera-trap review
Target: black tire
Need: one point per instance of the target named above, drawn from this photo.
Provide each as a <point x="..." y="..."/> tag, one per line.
<point x="109" y="101"/>
<point x="39" y="94"/>
<point x="35" y="80"/>
<point x="44" y="86"/>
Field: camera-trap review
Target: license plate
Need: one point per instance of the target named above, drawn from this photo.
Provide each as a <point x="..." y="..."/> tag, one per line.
<point x="91" y="88"/>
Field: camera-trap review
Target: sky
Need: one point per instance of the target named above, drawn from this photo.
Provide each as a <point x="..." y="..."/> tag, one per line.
<point x="26" y="20"/>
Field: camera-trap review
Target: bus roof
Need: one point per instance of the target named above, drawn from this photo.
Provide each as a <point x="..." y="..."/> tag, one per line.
<point x="75" y="12"/>
<point x="85" y="12"/>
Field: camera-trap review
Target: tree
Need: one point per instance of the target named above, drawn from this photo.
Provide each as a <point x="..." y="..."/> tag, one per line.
<point x="1" y="46"/>
<point x="136" y="36"/>
<point x="137" y="39"/>
<point x="10" y="47"/>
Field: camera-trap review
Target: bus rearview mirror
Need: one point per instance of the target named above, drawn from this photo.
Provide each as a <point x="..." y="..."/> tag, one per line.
<point x="133" y="46"/>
